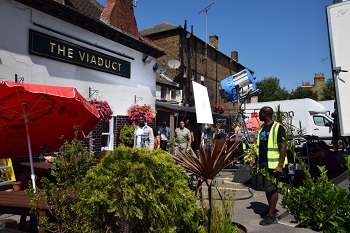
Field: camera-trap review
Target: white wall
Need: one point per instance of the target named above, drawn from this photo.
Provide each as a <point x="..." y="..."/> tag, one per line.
<point x="16" y="20"/>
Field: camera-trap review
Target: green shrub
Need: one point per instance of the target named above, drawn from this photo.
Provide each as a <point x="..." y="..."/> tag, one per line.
<point x="127" y="135"/>
<point x="135" y="190"/>
<point x="68" y="171"/>
<point x="318" y="204"/>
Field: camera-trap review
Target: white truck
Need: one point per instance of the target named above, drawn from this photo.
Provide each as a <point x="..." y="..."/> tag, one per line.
<point x="338" y="22"/>
<point x="305" y="115"/>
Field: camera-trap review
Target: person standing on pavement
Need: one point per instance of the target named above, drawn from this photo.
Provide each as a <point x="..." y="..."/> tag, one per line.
<point x="207" y="136"/>
<point x="235" y="127"/>
<point x="219" y="131"/>
<point x="164" y="131"/>
<point x="271" y="152"/>
<point x="190" y="128"/>
<point x="182" y="138"/>
<point x="156" y="135"/>
<point x="143" y="135"/>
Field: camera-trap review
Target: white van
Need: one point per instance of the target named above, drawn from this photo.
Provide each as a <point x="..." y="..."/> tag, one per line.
<point x="307" y="116"/>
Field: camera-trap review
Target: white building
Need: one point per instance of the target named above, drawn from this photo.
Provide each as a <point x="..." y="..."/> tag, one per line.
<point x="79" y="43"/>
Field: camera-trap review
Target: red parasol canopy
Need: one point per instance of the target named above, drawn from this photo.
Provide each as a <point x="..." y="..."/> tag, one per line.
<point x="35" y="116"/>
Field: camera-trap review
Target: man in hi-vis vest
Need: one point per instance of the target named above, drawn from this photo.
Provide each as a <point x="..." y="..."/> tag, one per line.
<point x="272" y="156"/>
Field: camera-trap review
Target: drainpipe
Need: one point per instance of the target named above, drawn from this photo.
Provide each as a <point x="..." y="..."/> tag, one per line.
<point x="189" y="72"/>
<point x="181" y="52"/>
<point x="216" y="76"/>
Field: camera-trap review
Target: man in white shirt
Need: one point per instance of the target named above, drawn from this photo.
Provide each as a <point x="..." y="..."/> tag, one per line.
<point x="143" y="135"/>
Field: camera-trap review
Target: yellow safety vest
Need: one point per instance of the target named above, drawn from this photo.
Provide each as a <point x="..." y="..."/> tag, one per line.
<point x="272" y="146"/>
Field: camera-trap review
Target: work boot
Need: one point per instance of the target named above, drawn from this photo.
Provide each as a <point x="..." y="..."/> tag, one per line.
<point x="268" y="220"/>
<point x="264" y="213"/>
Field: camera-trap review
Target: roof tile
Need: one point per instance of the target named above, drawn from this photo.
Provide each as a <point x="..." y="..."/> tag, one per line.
<point x="162" y="27"/>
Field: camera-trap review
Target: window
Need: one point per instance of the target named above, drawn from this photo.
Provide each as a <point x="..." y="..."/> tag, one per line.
<point x="163" y="93"/>
<point x="321" y="121"/>
<point x="176" y="95"/>
<point x="107" y="135"/>
<point x="173" y="94"/>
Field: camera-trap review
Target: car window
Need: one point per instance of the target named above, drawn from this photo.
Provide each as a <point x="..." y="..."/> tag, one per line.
<point x="321" y="121"/>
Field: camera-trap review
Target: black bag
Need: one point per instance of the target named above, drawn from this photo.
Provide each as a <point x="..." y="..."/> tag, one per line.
<point x="258" y="181"/>
<point x="242" y="175"/>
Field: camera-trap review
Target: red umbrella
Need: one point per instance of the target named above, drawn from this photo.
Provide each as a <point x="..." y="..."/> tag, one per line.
<point x="35" y="116"/>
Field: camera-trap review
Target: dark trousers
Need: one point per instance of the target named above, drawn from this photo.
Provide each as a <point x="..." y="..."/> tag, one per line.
<point x="163" y="144"/>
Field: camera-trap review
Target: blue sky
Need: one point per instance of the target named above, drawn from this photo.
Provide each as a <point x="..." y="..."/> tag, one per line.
<point x="286" y="39"/>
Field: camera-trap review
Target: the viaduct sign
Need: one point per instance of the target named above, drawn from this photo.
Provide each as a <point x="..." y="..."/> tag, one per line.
<point x="54" y="48"/>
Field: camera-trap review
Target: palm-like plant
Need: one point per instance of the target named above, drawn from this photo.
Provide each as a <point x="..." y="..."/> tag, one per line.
<point x="208" y="164"/>
<point x="284" y="119"/>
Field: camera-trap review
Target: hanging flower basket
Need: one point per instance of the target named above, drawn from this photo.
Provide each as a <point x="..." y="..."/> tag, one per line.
<point x="135" y="111"/>
<point x="104" y="109"/>
<point x="219" y="108"/>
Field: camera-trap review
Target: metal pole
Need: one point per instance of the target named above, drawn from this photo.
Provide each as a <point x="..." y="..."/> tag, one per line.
<point x="26" y="120"/>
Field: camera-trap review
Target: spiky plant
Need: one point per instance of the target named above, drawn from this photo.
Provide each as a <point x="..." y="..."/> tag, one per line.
<point x="208" y="164"/>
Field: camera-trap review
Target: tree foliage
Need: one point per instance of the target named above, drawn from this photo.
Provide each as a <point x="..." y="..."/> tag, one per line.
<point x="271" y="90"/>
<point x="328" y="90"/>
<point x="301" y="93"/>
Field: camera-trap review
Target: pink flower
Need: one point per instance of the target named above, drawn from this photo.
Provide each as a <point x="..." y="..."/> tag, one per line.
<point x="104" y="109"/>
<point x="219" y="108"/>
<point x="145" y="110"/>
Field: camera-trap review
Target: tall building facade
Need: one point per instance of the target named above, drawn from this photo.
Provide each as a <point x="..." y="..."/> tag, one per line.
<point x="200" y="62"/>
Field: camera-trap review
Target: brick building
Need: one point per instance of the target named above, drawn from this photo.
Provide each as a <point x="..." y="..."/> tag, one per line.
<point x="319" y="84"/>
<point x="200" y="62"/>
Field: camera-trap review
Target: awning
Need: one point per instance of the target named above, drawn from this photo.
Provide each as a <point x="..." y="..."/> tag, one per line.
<point x="165" y="80"/>
<point x="176" y="107"/>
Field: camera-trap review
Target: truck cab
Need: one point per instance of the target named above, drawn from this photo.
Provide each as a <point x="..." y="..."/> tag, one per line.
<point x="322" y="127"/>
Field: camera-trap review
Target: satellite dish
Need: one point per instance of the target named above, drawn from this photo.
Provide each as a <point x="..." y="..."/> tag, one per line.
<point x="160" y="68"/>
<point x="174" y="64"/>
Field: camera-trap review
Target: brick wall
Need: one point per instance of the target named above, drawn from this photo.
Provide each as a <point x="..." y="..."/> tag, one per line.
<point x="94" y="142"/>
<point x="216" y="67"/>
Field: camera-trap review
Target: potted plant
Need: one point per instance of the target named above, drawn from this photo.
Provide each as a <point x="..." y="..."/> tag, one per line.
<point x="218" y="108"/>
<point x="17" y="185"/>
<point x="22" y="181"/>
<point x="104" y="109"/>
<point x="136" y="110"/>
<point x="206" y="166"/>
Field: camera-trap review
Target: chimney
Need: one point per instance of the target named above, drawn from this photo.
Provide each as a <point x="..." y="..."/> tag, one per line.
<point x="319" y="85"/>
<point x="120" y="14"/>
<point x="319" y="79"/>
<point x="214" y="41"/>
<point x="234" y="56"/>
